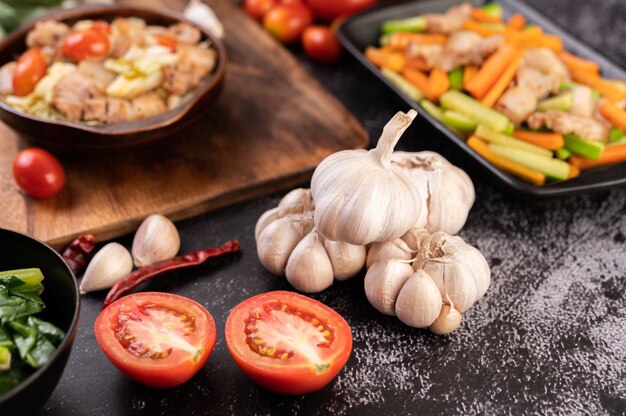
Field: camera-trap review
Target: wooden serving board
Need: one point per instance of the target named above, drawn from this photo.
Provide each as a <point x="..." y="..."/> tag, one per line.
<point x="268" y="130"/>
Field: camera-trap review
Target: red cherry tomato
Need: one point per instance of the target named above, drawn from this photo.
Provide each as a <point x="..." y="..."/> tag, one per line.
<point x="167" y="41"/>
<point x="320" y="43"/>
<point x="31" y="67"/>
<point x="101" y="25"/>
<point x="86" y="44"/>
<point x="157" y="339"/>
<point x="257" y="8"/>
<point x="38" y="173"/>
<point x="288" y="343"/>
<point x="329" y="10"/>
<point x="287" y="22"/>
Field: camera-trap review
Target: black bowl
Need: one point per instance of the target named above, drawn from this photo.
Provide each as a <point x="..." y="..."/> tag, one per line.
<point x="62" y="300"/>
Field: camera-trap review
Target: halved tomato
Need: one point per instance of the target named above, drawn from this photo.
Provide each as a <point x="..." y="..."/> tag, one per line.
<point x="288" y="343"/>
<point x="157" y="339"/>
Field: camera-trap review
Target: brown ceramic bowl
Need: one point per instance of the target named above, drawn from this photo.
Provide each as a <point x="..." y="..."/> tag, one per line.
<point x="69" y="135"/>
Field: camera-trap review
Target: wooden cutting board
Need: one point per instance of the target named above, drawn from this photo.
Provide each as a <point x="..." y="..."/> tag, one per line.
<point x="268" y="130"/>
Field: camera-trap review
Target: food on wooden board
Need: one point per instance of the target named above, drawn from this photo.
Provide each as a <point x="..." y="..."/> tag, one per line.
<point x="38" y="173"/>
<point x="288" y="343"/>
<point x="156" y="240"/>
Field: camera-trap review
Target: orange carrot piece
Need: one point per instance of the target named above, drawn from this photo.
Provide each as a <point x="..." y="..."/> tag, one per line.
<point x="468" y="74"/>
<point x="529" y="175"/>
<point x="550" y="141"/>
<point x="402" y="40"/>
<point x="395" y="62"/>
<point x="551" y="42"/>
<point x="376" y="56"/>
<point x="576" y="62"/>
<point x="614" y="114"/>
<point x="609" y="91"/>
<point x="491" y="70"/>
<point x="502" y="82"/>
<point x="419" y="63"/>
<point x="481" y="29"/>
<point x="417" y="78"/>
<point x="516" y="22"/>
<point x="385" y="58"/>
<point x="525" y="37"/>
<point x="615" y="153"/>
<point x="438" y="84"/>
<point x="574" y="171"/>
<point x="482" y="16"/>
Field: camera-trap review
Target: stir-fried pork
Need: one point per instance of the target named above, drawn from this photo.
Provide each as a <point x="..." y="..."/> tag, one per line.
<point x="95" y="71"/>
<point x="565" y="123"/>
<point x="47" y="33"/>
<point x="450" y="21"/>
<point x="194" y="63"/>
<point x="148" y="105"/>
<point x="185" y="33"/>
<point x="71" y="93"/>
<point x="517" y="103"/>
<point x="538" y="83"/>
<point x="6" y="78"/>
<point x="584" y="104"/>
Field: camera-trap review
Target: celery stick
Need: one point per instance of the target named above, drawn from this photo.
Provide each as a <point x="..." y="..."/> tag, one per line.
<point x="459" y="121"/>
<point x="554" y="168"/>
<point x="587" y="148"/>
<point x="432" y="109"/>
<point x="5" y="359"/>
<point x="385" y="39"/>
<point x="32" y="277"/>
<point x="563" y="153"/>
<point x="567" y="85"/>
<point x="616" y="135"/>
<point x="456" y="78"/>
<point x="494" y="9"/>
<point x="510" y="128"/>
<point x="501" y="139"/>
<point x="561" y="102"/>
<point x="412" y="24"/>
<point x="405" y="86"/>
<point x="457" y="101"/>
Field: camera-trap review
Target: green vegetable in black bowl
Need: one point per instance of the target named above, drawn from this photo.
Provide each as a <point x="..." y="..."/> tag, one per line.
<point x="15" y="12"/>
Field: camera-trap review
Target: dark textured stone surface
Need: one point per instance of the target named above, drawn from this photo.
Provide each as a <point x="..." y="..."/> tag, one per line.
<point x="548" y="338"/>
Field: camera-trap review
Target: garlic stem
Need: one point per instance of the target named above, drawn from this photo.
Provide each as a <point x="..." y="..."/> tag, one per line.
<point x="392" y="132"/>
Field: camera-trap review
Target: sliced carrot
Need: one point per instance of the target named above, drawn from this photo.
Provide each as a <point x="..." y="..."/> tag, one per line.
<point x="438" y="84"/>
<point x="503" y="82"/>
<point x="491" y="70"/>
<point x="612" y="154"/>
<point x="417" y="78"/>
<point x="503" y="163"/>
<point x="402" y="40"/>
<point x="395" y="62"/>
<point x="376" y="56"/>
<point x="576" y="62"/>
<point x="468" y="74"/>
<point x="419" y="63"/>
<point x="550" y="141"/>
<point x="482" y="16"/>
<point x="592" y="79"/>
<point x="482" y="29"/>
<point x="614" y="114"/>
<point x="574" y="171"/>
<point x="551" y="42"/>
<point x="516" y="22"/>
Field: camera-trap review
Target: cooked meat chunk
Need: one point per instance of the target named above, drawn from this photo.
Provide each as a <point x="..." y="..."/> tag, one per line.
<point x="547" y="62"/>
<point x="157" y="30"/>
<point x="120" y="44"/>
<point x="465" y="47"/>
<point x="450" y="21"/>
<point x="430" y="54"/>
<point x="185" y="33"/>
<point x="47" y="33"/>
<point x="70" y="94"/>
<point x="148" y="105"/>
<point x="194" y="63"/>
<point x="540" y="84"/>
<point x="584" y="104"/>
<point x="6" y="78"/>
<point x="95" y="109"/>
<point x="95" y="71"/>
<point x="130" y="27"/>
<point x="517" y="103"/>
<point x="118" y="110"/>
<point x="565" y="123"/>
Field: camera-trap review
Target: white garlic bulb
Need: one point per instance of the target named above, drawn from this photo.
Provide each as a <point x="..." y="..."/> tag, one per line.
<point x="156" y="240"/>
<point x="383" y="282"/>
<point x="111" y="263"/>
<point x="395" y="249"/>
<point x="419" y="302"/>
<point x="449" y="319"/>
<point x="447" y="192"/>
<point x="360" y="197"/>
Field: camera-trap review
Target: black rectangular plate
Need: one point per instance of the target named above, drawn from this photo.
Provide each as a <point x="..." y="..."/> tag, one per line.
<point x="363" y="30"/>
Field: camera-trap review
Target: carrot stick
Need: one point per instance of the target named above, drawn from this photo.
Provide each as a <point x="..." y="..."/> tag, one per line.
<point x="614" y="114"/>
<point x="491" y="70"/>
<point x="574" y="171"/>
<point x="438" y="84"/>
<point x="576" y="62"/>
<point x="417" y="78"/>
<point x="402" y="40"/>
<point x="482" y="16"/>
<point x="516" y="22"/>
<point x="525" y="37"/>
<point x="468" y="74"/>
<point x="612" y="154"/>
<point x="503" y="163"/>
<point x="503" y="82"/>
<point x="550" y="141"/>
<point x="609" y="91"/>
<point x="419" y="63"/>
<point x="395" y="62"/>
<point x="481" y="29"/>
<point x="376" y="56"/>
<point x="551" y="42"/>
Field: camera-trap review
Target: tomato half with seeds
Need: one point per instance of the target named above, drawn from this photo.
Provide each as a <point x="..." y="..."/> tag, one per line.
<point x="157" y="339"/>
<point x="288" y="343"/>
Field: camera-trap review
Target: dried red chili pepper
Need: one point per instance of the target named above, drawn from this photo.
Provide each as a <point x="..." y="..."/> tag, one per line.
<point x="77" y="252"/>
<point x="144" y="274"/>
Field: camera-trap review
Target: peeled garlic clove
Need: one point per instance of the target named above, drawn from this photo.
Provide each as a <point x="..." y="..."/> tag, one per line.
<point x="419" y="302"/>
<point x="308" y="268"/>
<point x="360" y="197"/>
<point x="156" y="240"/>
<point x="108" y="266"/>
<point x="298" y="196"/>
<point x="346" y="259"/>
<point x="279" y="238"/>
<point x="396" y="249"/>
<point x="383" y="282"/>
<point x="449" y="320"/>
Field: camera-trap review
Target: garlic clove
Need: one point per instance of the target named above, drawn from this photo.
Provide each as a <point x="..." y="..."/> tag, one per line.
<point x="156" y="240"/>
<point x="396" y="249"/>
<point x="309" y="269"/>
<point x="279" y="238"/>
<point x="298" y="196"/>
<point x="107" y="267"/>
<point x="449" y="320"/>
<point x="276" y="213"/>
<point x="383" y="282"/>
<point x="414" y="238"/>
<point x="346" y="259"/>
<point x="419" y="301"/>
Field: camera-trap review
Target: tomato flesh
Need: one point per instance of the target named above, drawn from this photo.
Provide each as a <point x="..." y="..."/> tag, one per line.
<point x="86" y="44"/>
<point x="288" y="343"/>
<point x="38" y="173"/>
<point x="157" y="339"/>
<point x="30" y="68"/>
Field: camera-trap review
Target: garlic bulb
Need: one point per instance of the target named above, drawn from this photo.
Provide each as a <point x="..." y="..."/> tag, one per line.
<point x="202" y="15"/>
<point x="447" y="192"/>
<point x="383" y="282"/>
<point x="449" y="319"/>
<point x="108" y="266"/>
<point x="288" y="244"/>
<point x="156" y="240"/>
<point x="361" y="197"/>
<point x="395" y="249"/>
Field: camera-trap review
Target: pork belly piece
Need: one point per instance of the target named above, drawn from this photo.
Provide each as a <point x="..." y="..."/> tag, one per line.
<point x="118" y="111"/>
<point x="517" y="103"/>
<point x="96" y="72"/>
<point x="70" y="94"/>
<point x="450" y="21"/>
<point x="565" y="123"/>
<point x="540" y="84"/>
<point x="6" y="78"/>
<point x="584" y="105"/>
<point x="185" y="33"/>
<point x="195" y="62"/>
<point x="547" y="62"/>
<point x="148" y="105"/>
<point x="465" y="47"/>
<point x="95" y="109"/>
<point x="47" y="33"/>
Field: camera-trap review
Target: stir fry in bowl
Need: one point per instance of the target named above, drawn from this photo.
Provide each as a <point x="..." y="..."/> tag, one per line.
<point x="102" y="73"/>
